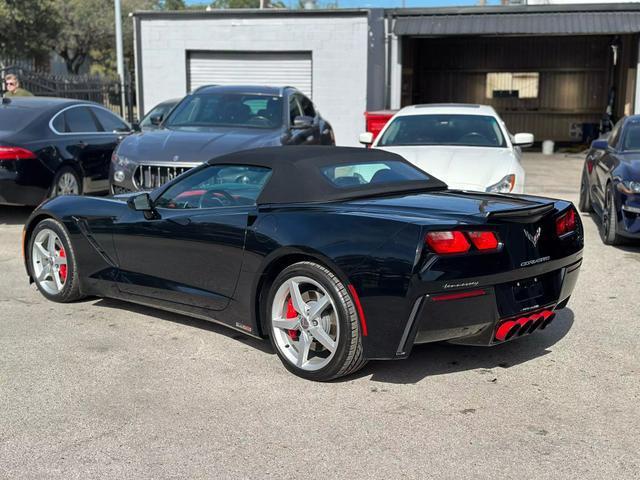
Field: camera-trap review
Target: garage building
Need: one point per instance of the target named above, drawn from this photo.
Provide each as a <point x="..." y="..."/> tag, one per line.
<point x="556" y="71"/>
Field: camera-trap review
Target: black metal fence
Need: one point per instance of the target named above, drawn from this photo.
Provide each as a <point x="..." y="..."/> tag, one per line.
<point x="99" y="89"/>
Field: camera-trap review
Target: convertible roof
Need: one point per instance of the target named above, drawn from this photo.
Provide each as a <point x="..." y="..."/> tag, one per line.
<point x="297" y="178"/>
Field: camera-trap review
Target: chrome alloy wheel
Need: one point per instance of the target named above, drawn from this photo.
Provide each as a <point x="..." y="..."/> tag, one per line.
<point x="304" y="323"/>
<point x="49" y="261"/>
<point x="67" y="185"/>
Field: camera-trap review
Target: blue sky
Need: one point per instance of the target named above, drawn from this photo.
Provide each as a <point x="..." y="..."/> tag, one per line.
<point x="388" y="3"/>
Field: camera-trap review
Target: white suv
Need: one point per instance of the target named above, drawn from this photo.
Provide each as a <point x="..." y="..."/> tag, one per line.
<point x="466" y="146"/>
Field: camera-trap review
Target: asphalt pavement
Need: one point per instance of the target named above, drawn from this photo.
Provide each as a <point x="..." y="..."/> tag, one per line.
<point x="103" y="389"/>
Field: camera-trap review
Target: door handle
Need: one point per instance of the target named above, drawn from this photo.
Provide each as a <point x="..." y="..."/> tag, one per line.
<point x="82" y="144"/>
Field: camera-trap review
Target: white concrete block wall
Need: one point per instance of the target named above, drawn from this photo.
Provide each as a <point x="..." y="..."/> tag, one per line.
<point x="338" y="45"/>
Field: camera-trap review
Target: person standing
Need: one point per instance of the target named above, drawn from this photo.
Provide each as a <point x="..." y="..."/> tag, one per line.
<point x="13" y="87"/>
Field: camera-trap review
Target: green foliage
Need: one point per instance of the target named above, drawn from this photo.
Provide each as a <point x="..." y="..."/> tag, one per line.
<point x="246" y="4"/>
<point x="26" y="28"/>
<point x="172" y="5"/>
<point x="84" y="25"/>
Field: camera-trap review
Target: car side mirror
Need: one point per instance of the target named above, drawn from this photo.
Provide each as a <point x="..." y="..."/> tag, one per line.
<point x="302" y="122"/>
<point x="600" y="144"/>
<point x="123" y="131"/>
<point x="155" y="120"/>
<point x="523" y="139"/>
<point x="140" y="203"/>
<point x="366" y="138"/>
<point x="135" y="126"/>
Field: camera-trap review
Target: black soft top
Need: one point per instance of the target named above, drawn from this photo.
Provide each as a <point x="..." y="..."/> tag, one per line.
<point x="297" y="177"/>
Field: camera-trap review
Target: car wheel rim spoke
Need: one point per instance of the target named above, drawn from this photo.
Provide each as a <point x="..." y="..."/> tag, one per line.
<point x="296" y="298"/>
<point x="49" y="261"/>
<point x="304" y="323"/>
<point x="304" y="344"/>
<point x="327" y="342"/>
<point x="286" y="324"/>
<point x="67" y="185"/>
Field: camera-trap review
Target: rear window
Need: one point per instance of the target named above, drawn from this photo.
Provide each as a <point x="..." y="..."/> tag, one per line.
<point x="13" y="119"/>
<point x="463" y="130"/>
<point x="374" y="173"/>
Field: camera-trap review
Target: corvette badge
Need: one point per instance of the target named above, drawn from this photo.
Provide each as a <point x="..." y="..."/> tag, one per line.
<point x="533" y="238"/>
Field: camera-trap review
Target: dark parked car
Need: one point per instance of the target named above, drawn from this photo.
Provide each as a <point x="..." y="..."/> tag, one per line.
<point x="611" y="182"/>
<point x="339" y="255"/>
<point x="212" y="121"/>
<point x="55" y="146"/>
<point x="153" y="119"/>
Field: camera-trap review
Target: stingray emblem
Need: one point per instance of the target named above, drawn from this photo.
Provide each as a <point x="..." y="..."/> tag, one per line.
<point x="176" y="158"/>
<point x="535" y="237"/>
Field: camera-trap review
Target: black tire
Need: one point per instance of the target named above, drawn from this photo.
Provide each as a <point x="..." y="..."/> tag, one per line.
<point x="348" y="356"/>
<point x="70" y="291"/>
<point x="584" y="205"/>
<point x="58" y="186"/>
<point x="610" y="220"/>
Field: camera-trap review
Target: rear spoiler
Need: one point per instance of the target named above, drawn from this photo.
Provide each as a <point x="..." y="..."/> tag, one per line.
<point x="530" y="214"/>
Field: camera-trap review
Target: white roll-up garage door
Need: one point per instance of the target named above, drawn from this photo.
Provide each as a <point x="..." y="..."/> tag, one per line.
<point x="274" y="69"/>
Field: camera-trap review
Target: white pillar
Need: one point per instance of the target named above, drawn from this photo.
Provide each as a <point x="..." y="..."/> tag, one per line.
<point x="636" y="104"/>
<point x="119" y="55"/>
<point x="395" y="64"/>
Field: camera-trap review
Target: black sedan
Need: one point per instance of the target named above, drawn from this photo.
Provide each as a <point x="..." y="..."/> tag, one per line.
<point x="55" y="146"/>
<point x="611" y="182"/>
<point x="213" y="121"/>
<point x="338" y="255"/>
<point x="153" y="119"/>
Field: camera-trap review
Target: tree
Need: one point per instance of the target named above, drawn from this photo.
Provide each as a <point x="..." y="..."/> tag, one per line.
<point x="85" y="25"/>
<point x="172" y="5"/>
<point x="104" y="57"/>
<point x="26" y="28"/>
<point x="87" y="31"/>
<point x="246" y="4"/>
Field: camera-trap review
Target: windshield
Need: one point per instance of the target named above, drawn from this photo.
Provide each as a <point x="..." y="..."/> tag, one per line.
<point x="227" y="110"/>
<point x="631" y="136"/>
<point x="465" y="130"/>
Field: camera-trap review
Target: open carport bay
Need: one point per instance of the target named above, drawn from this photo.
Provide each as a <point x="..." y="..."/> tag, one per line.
<point x="104" y="389"/>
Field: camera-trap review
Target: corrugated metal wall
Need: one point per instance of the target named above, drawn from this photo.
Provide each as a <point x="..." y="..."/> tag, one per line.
<point x="574" y="77"/>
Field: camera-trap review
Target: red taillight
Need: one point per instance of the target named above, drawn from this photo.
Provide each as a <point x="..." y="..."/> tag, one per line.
<point x="566" y="223"/>
<point x="484" y="240"/>
<point x="448" y="242"/>
<point x="15" y="153"/>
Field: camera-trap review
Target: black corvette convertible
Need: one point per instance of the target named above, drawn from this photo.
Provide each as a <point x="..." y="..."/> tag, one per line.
<point x="338" y="255"/>
<point x="611" y="182"/>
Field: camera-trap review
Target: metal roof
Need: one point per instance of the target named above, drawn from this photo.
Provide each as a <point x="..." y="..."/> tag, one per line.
<point x="518" y="21"/>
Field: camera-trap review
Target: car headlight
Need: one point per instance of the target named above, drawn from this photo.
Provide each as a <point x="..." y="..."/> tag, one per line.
<point x="120" y="161"/>
<point x="628" y="186"/>
<point x="505" y="185"/>
<point x="120" y="166"/>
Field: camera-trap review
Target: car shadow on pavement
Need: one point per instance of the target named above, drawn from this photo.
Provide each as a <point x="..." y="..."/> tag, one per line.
<point x="262" y="345"/>
<point x="14" y="215"/>
<point x="428" y="360"/>
<point x="630" y="246"/>
<point x="425" y="360"/>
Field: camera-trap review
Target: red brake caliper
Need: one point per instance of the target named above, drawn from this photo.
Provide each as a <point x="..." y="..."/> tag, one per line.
<point x="63" y="268"/>
<point x="291" y="314"/>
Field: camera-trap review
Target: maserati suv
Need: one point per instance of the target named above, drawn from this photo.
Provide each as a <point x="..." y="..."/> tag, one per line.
<point x="213" y="121"/>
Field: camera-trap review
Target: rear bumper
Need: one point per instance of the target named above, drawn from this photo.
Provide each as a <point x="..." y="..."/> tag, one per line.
<point x="23" y="182"/>
<point x="473" y="317"/>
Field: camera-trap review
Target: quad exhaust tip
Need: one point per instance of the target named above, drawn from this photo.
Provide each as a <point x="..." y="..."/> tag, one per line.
<point x="524" y="325"/>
